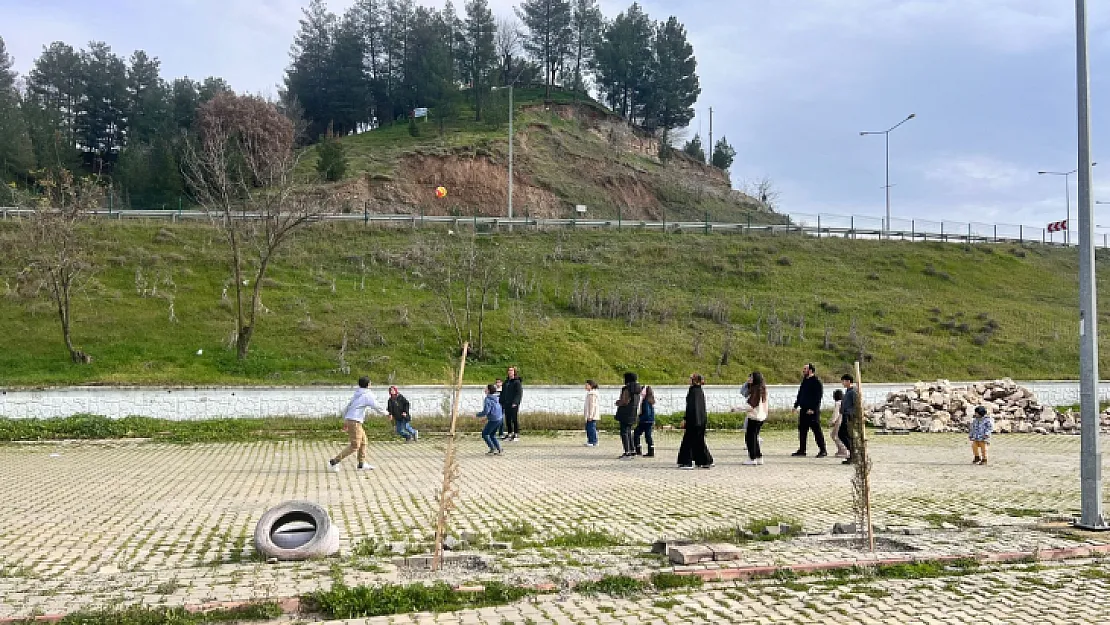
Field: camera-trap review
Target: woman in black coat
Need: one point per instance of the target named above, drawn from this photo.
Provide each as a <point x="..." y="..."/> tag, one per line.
<point x="628" y="407"/>
<point x="693" y="450"/>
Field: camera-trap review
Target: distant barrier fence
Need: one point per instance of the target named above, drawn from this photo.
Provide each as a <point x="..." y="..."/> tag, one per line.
<point x="818" y="225"/>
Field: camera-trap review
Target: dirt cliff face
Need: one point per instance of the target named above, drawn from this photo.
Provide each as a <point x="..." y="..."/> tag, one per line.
<point x="563" y="157"/>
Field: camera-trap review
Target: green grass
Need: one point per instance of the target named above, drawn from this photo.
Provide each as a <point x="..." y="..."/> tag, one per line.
<point x="91" y="427"/>
<point x="937" y="520"/>
<point x="613" y="586"/>
<point x="397" y="330"/>
<point x="754" y="531"/>
<point x="583" y="538"/>
<point x="344" y="602"/>
<point x="169" y="616"/>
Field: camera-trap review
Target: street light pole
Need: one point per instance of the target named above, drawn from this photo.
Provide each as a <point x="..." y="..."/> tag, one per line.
<point x="1091" y="457"/>
<point x="886" y="134"/>
<point x="1067" y="198"/>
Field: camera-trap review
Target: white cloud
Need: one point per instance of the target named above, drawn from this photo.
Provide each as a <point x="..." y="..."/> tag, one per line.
<point x="977" y="173"/>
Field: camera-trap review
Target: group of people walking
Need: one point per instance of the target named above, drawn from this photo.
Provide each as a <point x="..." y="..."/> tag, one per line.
<point x="635" y="413"/>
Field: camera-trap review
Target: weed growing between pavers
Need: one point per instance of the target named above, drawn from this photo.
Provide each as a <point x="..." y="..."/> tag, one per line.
<point x="938" y="520"/>
<point x="584" y="538"/>
<point x="139" y="615"/>
<point x="343" y="602"/>
<point x="670" y="581"/>
<point x="613" y="585"/>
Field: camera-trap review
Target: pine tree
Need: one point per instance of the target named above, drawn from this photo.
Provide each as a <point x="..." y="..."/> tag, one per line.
<point x="350" y="90"/>
<point x="723" y="154"/>
<point x="549" y="35"/>
<point x="102" y="109"/>
<point x="694" y="148"/>
<point x="400" y="16"/>
<point x="212" y="87"/>
<point x="148" y="110"/>
<point x="623" y="61"/>
<point x="53" y="92"/>
<point x="673" y="87"/>
<point x="17" y="157"/>
<point x="478" y="56"/>
<point x="184" y="101"/>
<point x="309" y="78"/>
<point x="332" y="158"/>
<point x="585" y="22"/>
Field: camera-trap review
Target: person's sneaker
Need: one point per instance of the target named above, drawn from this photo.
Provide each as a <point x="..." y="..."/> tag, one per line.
<point x="504" y="437"/>
<point x="686" y="467"/>
<point x="362" y="466"/>
<point x="759" y="461"/>
<point x="333" y="465"/>
<point x="751" y="463"/>
<point x="977" y="460"/>
<point x="514" y="439"/>
<point x="983" y="462"/>
<point x="798" y="454"/>
<point x="705" y="466"/>
<point x="823" y="454"/>
<point x="650" y="453"/>
<point x="498" y="452"/>
<point x="626" y="457"/>
<point x="847" y="461"/>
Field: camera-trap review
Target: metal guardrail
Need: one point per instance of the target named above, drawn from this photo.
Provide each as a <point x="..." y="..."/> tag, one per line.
<point x="818" y="225"/>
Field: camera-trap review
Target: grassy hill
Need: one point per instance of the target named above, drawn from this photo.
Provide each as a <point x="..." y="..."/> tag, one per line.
<point x="566" y="306"/>
<point x="566" y="153"/>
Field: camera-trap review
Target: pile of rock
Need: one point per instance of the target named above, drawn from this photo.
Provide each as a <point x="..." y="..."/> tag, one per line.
<point x="940" y="407"/>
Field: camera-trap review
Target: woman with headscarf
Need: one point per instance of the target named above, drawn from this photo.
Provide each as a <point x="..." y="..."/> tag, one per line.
<point x="693" y="451"/>
<point x="628" y="407"/>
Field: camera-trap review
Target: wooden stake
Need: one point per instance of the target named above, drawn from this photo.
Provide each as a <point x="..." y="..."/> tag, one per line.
<point x="864" y="463"/>
<point x="450" y="469"/>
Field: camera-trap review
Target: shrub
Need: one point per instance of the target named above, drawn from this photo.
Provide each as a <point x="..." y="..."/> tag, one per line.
<point x="332" y="162"/>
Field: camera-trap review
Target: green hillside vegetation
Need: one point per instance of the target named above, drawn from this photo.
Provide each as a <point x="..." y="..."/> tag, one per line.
<point x="563" y="306"/>
<point x="573" y="151"/>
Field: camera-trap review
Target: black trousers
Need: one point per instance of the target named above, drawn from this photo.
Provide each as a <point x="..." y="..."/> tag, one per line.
<point x="807" y="422"/>
<point x="693" y="449"/>
<point x="627" y="438"/>
<point x="644" y="429"/>
<point x="512" y="423"/>
<point x="751" y="439"/>
<point x="844" y="433"/>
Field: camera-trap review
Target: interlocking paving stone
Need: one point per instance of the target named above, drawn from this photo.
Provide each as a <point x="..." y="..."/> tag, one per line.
<point x="87" y="524"/>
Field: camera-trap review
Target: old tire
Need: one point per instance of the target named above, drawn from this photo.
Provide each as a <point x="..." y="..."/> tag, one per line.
<point x="296" y="530"/>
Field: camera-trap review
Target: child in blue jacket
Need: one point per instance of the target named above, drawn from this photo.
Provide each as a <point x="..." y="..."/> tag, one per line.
<point x="493" y="413"/>
<point x="646" y="423"/>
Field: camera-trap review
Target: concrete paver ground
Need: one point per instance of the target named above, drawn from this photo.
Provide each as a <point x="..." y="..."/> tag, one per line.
<point x="89" y="524"/>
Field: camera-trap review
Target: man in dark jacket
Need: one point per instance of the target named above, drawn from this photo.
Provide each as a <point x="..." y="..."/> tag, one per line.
<point x="808" y="405"/>
<point x="512" y="392"/>
<point x="847" y="415"/>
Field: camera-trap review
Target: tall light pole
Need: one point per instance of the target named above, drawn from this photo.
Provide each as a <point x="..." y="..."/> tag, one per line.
<point x="511" y="83"/>
<point x="1091" y="456"/>
<point x="886" y="133"/>
<point x="1067" y="197"/>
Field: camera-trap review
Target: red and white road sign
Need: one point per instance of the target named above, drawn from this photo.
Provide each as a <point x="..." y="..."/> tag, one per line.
<point x="1058" y="226"/>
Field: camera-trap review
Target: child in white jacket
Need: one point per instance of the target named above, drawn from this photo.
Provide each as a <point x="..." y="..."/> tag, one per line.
<point x="592" y="412"/>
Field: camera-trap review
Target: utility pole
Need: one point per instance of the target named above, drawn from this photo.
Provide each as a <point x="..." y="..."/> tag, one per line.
<point x="1090" y="472"/>
<point x="709" y="148"/>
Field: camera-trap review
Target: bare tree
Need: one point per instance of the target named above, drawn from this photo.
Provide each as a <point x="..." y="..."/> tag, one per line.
<point x="242" y="169"/>
<point x="54" y="250"/>
<point x="508" y="41"/>
<point x="764" y="190"/>
<point x="466" y="279"/>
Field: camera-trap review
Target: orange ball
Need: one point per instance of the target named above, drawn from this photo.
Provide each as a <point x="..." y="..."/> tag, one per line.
<point x="441" y="192"/>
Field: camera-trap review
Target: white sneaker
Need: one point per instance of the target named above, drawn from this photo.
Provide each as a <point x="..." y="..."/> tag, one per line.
<point x="590" y="445"/>
<point x="333" y="466"/>
<point x="751" y="463"/>
<point x="686" y="467"/>
<point x="759" y="461"/>
<point x="365" y="467"/>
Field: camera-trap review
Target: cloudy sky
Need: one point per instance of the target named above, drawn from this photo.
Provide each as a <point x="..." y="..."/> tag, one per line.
<point x="791" y="83"/>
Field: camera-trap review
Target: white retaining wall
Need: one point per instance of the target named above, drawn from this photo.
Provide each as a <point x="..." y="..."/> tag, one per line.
<point x="184" y="404"/>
